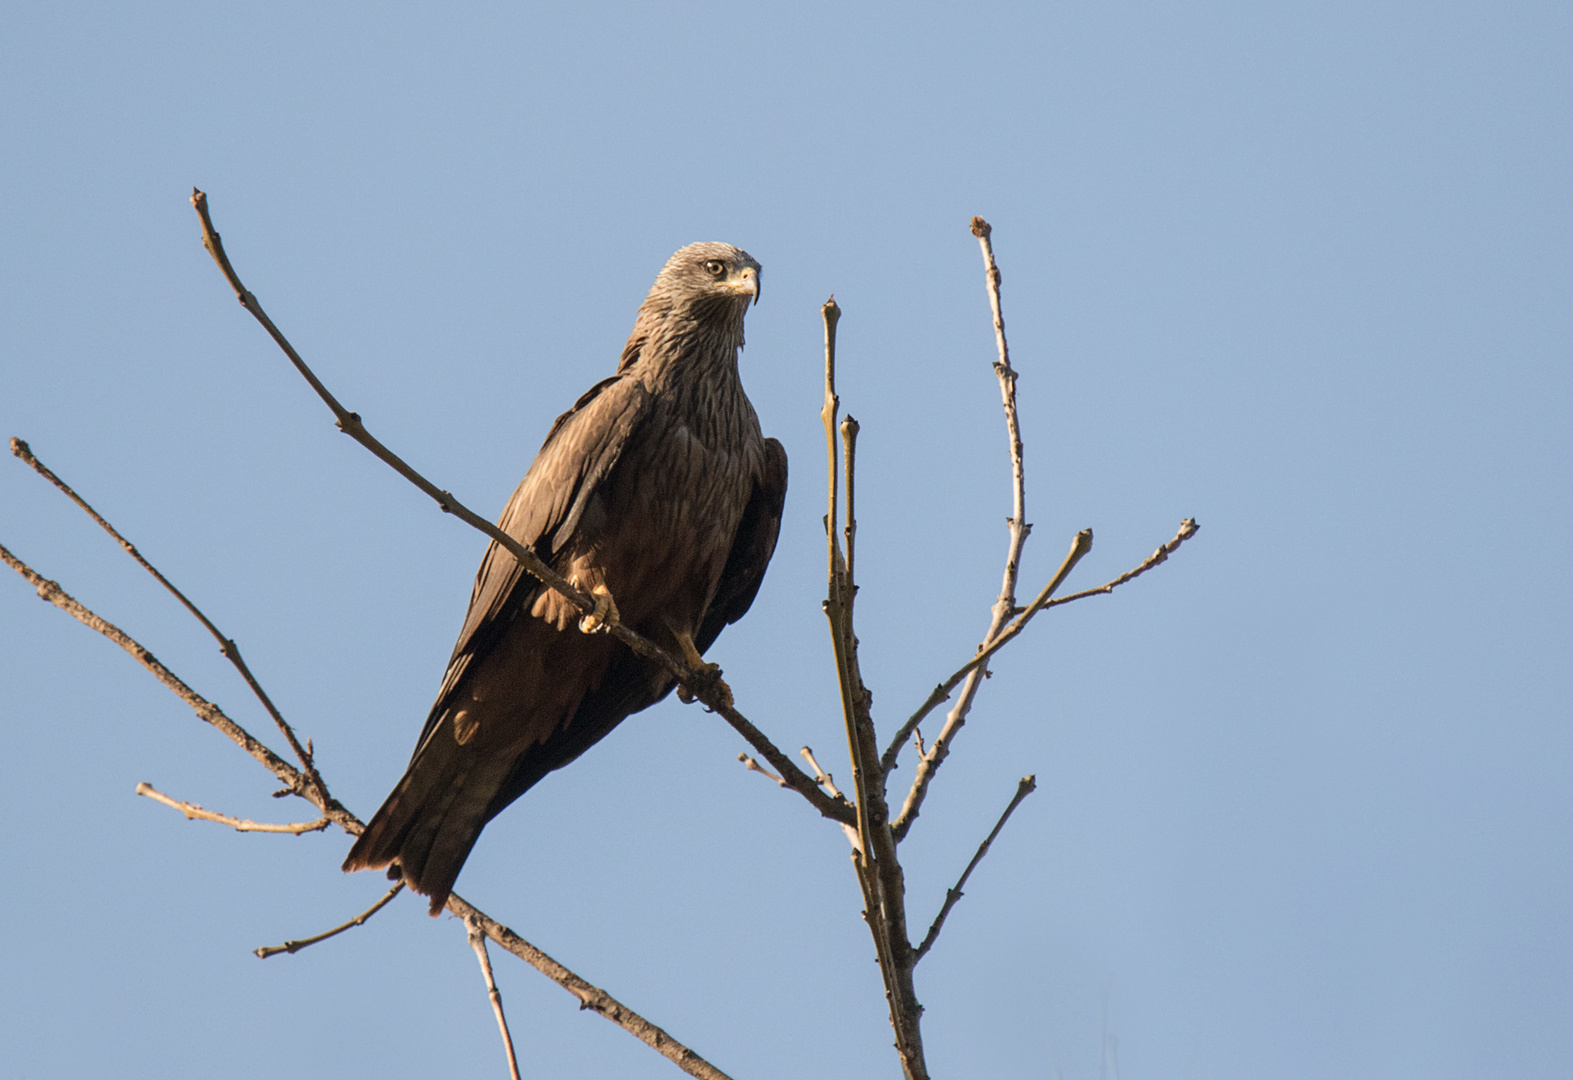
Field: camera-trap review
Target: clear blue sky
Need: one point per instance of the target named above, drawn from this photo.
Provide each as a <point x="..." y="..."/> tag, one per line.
<point x="1299" y="270"/>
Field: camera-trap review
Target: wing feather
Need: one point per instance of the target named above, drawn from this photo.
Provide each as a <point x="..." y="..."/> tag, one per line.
<point x="580" y="450"/>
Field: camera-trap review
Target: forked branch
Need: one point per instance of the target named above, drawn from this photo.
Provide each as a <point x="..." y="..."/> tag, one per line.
<point x="227" y="645"/>
<point x="590" y="997"/>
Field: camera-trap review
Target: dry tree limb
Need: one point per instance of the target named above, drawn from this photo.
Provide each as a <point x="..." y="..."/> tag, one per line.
<point x="874" y="856"/>
<point x="293" y="778"/>
<point x="295" y="946"/>
<point x="706" y="690"/>
<point x="589" y="996"/>
<point x="1079" y="547"/>
<point x="1028" y="785"/>
<point x="477" y="938"/>
<point x="227" y="645"/>
<point x="1045" y="599"/>
<point x="194" y="812"/>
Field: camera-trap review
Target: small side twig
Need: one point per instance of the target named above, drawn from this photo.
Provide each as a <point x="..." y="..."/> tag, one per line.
<point x="295" y="946"/>
<point x="194" y="812"/>
<point x="590" y="997"/>
<point x="1027" y="786"/>
<point x="477" y="938"/>
<point x="753" y="766"/>
<point x="227" y="645"/>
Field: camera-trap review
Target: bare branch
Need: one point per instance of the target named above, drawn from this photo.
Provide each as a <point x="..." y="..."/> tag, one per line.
<point x="194" y="812"/>
<point x="931" y="761"/>
<point x="478" y="943"/>
<point x="1188" y="529"/>
<point x="1027" y="786"/>
<point x="295" y="946"/>
<point x="293" y="779"/>
<point x="1005" y="605"/>
<point x="708" y="690"/>
<point x="226" y="645"/>
<point x="1080" y="546"/>
<point x="590" y="997"/>
<point x="874" y="854"/>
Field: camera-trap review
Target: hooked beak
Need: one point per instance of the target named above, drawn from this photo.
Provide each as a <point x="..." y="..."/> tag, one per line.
<point x="748" y="283"/>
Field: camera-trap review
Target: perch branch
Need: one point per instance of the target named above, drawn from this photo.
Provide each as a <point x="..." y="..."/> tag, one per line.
<point x="477" y="938"/>
<point x="1027" y="786"/>
<point x="226" y="645"/>
<point x="194" y="812"/>
<point x="295" y="946"/>
<point x="707" y="691"/>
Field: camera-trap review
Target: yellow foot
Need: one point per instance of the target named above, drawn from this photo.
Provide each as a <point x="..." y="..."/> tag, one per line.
<point x="706" y="674"/>
<point x="605" y="614"/>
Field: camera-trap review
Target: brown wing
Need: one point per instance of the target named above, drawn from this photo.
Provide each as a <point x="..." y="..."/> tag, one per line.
<point x="584" y="444"/>
<point x="752" y="547"/>
<point x="631" y="683"/>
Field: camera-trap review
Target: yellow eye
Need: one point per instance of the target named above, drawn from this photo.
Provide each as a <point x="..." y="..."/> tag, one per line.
<point x="716" y="267"/>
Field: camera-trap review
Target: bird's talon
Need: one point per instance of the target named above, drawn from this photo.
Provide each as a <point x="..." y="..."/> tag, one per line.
<point x="605" y="615"/>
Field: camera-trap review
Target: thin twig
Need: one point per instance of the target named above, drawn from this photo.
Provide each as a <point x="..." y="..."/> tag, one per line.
<point x="194" y="812"/>
<point x="227" y="645"/>
<point x="824" y="780"/>
<point x="753" y="766"/>
<point x="477" y="938"/>
<point x="295" y="946"/>
<point x="1187" y="530"/>
<point x="706" y="690"/>
<point x="1027" y="786"/>
<point x="590" y="997"/>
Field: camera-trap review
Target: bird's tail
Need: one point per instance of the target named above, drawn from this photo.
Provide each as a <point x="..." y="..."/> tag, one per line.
<point x="433" y="818"/>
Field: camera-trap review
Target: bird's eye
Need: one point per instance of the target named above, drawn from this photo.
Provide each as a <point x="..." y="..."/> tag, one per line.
<point x="716" y="267"/>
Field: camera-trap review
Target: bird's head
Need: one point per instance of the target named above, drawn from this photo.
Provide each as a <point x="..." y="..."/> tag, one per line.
<point x="701" y="274"/>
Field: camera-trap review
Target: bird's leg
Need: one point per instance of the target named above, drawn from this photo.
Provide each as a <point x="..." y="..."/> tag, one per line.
<point x="605" y="614"/>
<point x="704" y="671"/>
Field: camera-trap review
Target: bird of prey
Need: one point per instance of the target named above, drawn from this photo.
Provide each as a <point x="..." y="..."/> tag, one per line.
<point x="656" y="493"/>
